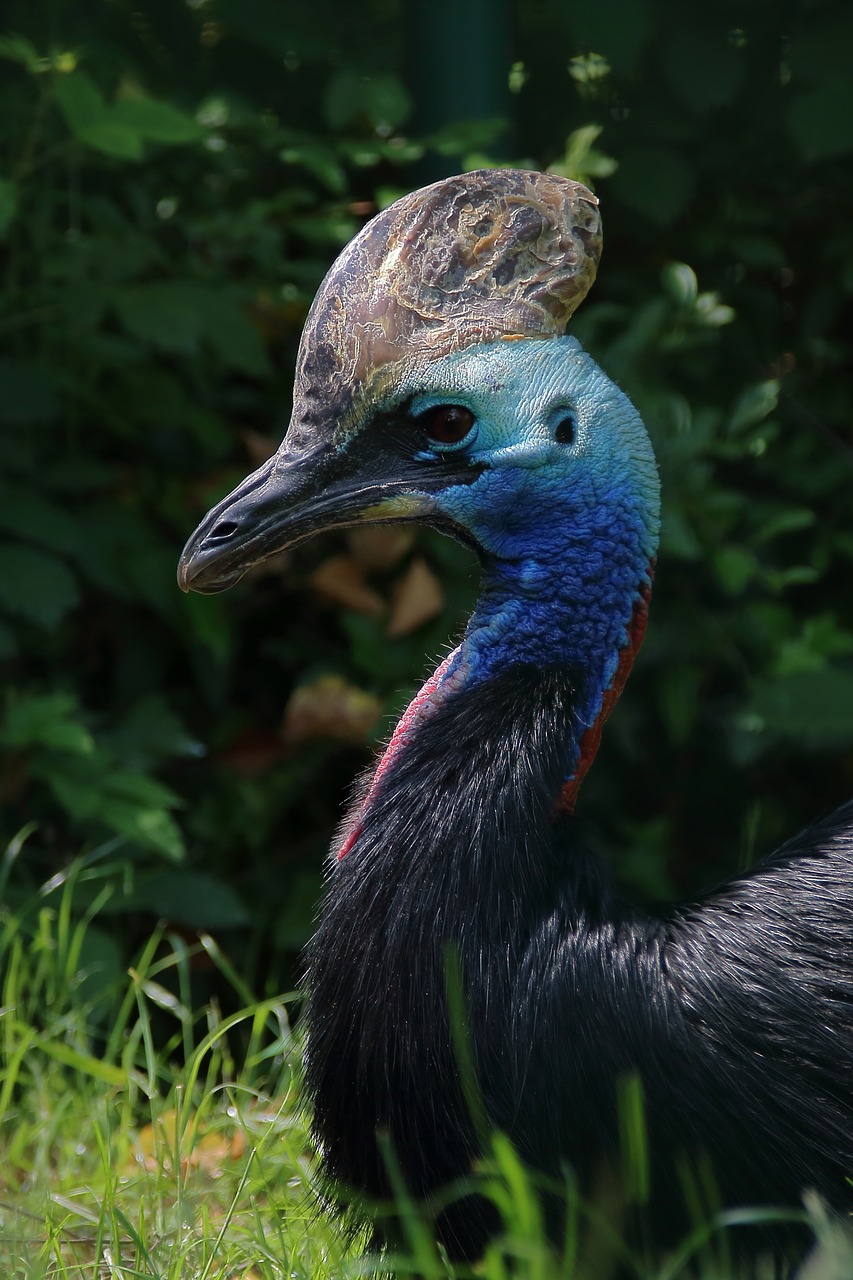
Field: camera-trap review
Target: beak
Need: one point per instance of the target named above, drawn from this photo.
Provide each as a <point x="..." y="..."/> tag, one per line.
<point x="286" y="501"/>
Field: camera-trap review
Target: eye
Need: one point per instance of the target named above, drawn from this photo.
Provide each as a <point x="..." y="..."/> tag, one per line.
<point x="566" y="427"/>
<point x="447" y="425"/>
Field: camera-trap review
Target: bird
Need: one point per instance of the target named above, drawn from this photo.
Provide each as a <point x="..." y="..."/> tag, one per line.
<point x="436" y="384"/>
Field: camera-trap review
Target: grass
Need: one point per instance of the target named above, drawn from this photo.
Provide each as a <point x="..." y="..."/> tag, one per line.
<point x="143" y="1137"/>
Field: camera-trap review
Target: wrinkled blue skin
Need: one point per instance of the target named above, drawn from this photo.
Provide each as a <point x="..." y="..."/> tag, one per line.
<point x="569" y="530"/>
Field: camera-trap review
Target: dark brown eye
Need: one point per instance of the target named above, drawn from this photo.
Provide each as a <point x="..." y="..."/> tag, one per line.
<point x="566" y="428"/>
<point x="448" y="423"/>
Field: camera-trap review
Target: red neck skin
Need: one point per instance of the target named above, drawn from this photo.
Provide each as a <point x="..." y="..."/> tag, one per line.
<point x="434" y="692"/>
<point x="450" y="676"/>
<point x="591" y="739"/>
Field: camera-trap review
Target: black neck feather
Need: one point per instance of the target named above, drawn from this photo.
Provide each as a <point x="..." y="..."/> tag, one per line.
<point x="460" y="847"/>
<point x="568" y="992"/>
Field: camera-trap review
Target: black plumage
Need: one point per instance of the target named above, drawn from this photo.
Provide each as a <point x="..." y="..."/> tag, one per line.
<point x="434" y="385"/>
<point x="736" y="1012"/>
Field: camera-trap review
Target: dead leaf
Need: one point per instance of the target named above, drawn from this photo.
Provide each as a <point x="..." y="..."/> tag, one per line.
<point x="275" y="565"/>
<point x="214" y="1149"/>
<point x="330" y="707"/>
<point x="380" y="547"/>
<point x="259" y="447"/>
<point x="252" y="752"/>
<point x="155" y="1146"/>
<point x="418" y="597"/>
<point x="341" y="579"/>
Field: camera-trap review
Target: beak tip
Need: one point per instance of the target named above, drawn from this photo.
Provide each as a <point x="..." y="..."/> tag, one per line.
<point x="185" y="571"/>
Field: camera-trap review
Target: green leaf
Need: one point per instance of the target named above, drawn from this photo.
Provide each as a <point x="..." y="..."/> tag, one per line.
<point x="8" y="644"/>
<point x="616" y="28"/>
<point x="18" y="48"/>
<point x="156" y="121"/>
<point x="321" y="161"/>
<point x="382" y="99"/>
<point x="581" y="160"/>
<point x="92" y="121"/>
<point x="680" y="282"/>
<point x="179" y="315"/>
<point x="113" y="139"/>
<point x="210" y="622"/>
<point x="46" y="720"/>
<point x="656" y="181"/>
<point x="84" y="1063"/>
<point x="822" y="121"/>
<point x="735" y="566"/>
<point x="80" y="101"/>
<point x="36" y="586"/>
<point x="190" y="898"/>
<point x="133" y="805"/>
<point x="755" y="404"/>
<point x="149" y="733"/>
<point x="138" y="788"/>
<point x="783" y="522"/>
<point x="99" y="968"/>
<point x="27" y="394"/>
<point x="8" y="205"/>
<point x="152" y="828"/>
<point x="813" y="707"/>
<point x="25" y="513"/>
<point x="702" y="65"/>
<point x="168" y="314"/>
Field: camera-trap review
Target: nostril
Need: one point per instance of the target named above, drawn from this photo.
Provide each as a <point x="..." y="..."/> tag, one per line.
<point x="223" y="531"/>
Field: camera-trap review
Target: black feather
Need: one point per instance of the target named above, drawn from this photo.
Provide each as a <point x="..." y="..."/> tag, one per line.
<point x="736" y="1013"/>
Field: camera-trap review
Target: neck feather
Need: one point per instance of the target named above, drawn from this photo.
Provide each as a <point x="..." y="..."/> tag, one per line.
<point x="459" y="848"/>
<point x="516" y="627"/>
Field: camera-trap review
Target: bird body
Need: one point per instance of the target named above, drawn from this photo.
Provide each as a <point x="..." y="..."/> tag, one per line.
<point x="446" y="393"/>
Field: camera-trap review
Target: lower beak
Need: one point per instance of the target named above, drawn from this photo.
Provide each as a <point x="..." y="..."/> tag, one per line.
<point x="283" y="503"/>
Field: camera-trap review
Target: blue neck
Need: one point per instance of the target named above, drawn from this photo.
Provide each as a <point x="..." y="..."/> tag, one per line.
<point x="562" y="501"/>
<point x="567" y="597"/>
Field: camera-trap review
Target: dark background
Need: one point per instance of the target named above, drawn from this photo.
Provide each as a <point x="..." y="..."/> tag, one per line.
<point x="175" y="180"/>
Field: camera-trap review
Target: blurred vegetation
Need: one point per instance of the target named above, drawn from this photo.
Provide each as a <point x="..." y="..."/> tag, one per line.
<point x="175" y="180"/>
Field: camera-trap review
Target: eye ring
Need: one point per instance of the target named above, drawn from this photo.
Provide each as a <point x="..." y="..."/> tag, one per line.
<point x="448" y="427"/>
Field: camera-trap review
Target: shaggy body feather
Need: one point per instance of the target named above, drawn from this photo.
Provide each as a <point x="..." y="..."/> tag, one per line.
<point x="568" y="990"/>
<point x="433" y="385"/>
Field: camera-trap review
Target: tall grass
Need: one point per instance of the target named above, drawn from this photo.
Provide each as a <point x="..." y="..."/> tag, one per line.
<point x="141" y="1136"/>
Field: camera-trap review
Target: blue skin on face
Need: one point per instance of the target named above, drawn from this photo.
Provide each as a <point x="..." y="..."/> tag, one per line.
<point x="566" y="511"/>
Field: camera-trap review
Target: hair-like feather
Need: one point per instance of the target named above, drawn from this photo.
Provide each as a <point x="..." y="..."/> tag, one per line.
<point x="735" y="1013"/>
<point x="568" y="990"/>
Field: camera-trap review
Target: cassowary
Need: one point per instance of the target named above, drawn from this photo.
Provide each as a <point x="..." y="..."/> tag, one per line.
<point x="435" y="384"/>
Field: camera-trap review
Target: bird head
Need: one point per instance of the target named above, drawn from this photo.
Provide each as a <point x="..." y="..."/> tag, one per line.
<point x="434" y="384"/>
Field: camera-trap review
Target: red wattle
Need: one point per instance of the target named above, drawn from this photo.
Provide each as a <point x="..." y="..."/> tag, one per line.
<point x="591" y="739"/>
<point x="421" y="705"/>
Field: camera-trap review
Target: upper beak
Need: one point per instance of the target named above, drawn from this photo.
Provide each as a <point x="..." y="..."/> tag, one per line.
<point x="287" y="500"/>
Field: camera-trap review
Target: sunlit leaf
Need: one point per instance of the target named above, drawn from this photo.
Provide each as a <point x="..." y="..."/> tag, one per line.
<point x="418" y="597"/>
<point x="330" y="707"/>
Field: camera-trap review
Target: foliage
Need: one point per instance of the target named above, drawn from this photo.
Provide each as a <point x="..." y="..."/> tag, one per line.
<point x="175" y="181"/>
